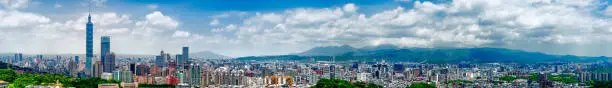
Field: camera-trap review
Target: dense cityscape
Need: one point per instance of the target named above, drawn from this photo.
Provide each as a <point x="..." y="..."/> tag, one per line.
<point x="188" y="72"/>
<point x="385" y="65"/>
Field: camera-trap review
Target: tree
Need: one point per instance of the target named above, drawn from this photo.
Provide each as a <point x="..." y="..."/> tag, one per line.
<point x="507" y="78"/>
<point x="372" y="85"/>
<point x="360" y="84"/>
<point x="24" y="81"/>
<point x="533" y="76"/>
<point x="92" y="82"/>
<point x="600" y="84"/>
<point x="421" y="85"/>
<point x="8" y="75"/>
<point x="564" y="78"/>
<point x="334" y="83"/>
<point x="338" y="83"/>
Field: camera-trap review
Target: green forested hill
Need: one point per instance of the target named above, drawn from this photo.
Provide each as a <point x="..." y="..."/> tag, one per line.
<point x="433" y="55"/>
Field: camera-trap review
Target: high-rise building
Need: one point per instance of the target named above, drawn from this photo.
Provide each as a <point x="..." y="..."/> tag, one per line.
<point x="104" y="49"/>
<point x="88" y="43"/>
<point x="133" y="68"/>
<point x="73" y="65"/>
<point x="96" y="71"/>
<point x="58" y="58"/>
<point x="127" y="76"/>
<point x="179" y="61"/>
<point x="195" y="74"/>
<point x="185" y="55"/>
<point x="18" y="57"/>
<point x="116" y="75"/>
<point x="142" y="70"/>
<point x="76" y="59"/>
<point x="123" y="76"/>
<point x="181" y="76"/>
<point x="109" y="62"/>
<point x="160" y="60"/>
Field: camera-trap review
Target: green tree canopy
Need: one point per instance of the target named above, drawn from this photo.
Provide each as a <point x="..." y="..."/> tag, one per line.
<point x="564" y="78"/>
<point x="600" y="84"/>
<point x="338" y="83"/>
<point x="26" y="79"/>
<point x="507" y="78"/>
<point x="8" y="75"/>
<point x="421" y="85"/>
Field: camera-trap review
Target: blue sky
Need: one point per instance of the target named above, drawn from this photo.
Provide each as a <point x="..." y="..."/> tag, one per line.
<point x="272" y="27"/>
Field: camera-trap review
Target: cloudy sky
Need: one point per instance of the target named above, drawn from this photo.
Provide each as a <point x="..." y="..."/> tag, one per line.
<point x="272" y="27"/>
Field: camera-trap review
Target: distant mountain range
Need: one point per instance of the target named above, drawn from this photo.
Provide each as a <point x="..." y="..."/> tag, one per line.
<point x="427" y="55"/>
<point x="208" y="55"/>
<point x="328" y="51"/>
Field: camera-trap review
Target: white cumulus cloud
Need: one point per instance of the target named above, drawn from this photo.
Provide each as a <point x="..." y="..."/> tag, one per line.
<point x="14" y="4"/>
<point x="460" y="23"/>
<point x="214" y="22"/>
<point x="18" y="19"/>
<point x="350" y="7"/>
<point x="179" y="33"/>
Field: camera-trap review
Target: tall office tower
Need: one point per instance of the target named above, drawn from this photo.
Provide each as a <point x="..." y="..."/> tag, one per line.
<point x="73" y="65"/>
<point x="133" y="68"/>
<point x="185" y="55"/>
<point x="179" y="61"/>
<point x="88" y="44"/>
<point x="96" y="71"/>
<point x="18" y="57"/>
<point x="159" y="61"/>
<point x="104" y="50"/>
<point x="195" y="74"/>
<point x="76" y="59"/>
<point x="167" y="59"/>
<point x="58" y="58"/>
<point x="109" y="62"/>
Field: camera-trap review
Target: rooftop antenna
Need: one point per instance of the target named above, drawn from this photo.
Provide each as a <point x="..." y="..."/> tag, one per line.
<point x="89" y="7"/>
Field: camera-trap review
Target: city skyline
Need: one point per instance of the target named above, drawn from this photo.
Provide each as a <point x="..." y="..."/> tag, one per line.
<point x="305" y="43"/>
<point x="243" y="29"/>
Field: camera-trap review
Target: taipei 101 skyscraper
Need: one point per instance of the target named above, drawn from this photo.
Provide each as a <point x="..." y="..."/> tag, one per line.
<point x="89" y="45"/>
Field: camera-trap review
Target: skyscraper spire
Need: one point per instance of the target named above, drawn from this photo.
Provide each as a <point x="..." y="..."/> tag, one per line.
<point x="89" y="13"/>
<point x="89" y="19"/>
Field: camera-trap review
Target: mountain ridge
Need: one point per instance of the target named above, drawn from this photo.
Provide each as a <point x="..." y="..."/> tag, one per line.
<point x="208" y="55"/>
<point x="432" y="55"/>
